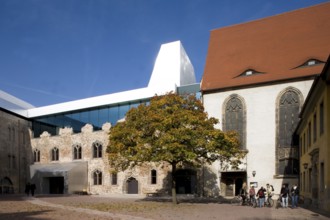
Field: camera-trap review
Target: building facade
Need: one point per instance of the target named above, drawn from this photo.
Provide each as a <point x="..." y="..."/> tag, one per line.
<point x="314" y="138"/>
<point x="15" y="144"/>
<point x="256" y="79"/>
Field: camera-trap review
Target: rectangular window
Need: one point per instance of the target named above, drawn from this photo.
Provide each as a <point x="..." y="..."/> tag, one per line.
<point x="321" y="118"/>
<point x="301" y="146"/>
<point x="310" y="180"/>
<point x="153" y="177"/>
<point x="322" y="185"/>
<point x="309" y="134"/>
<point x="304" y="143"/>
<point x="314" y="127"/>
<point x="304" y="182"/>
<point x="114" y="179"/>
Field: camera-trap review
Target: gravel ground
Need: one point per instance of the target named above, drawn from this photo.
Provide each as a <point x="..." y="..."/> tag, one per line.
<point x="137" y="208"/>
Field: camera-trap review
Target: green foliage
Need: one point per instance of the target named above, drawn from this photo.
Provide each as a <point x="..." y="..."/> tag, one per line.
<point x="171" y="128"/>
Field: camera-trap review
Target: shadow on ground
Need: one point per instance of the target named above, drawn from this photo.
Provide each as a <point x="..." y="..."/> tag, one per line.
<point x="24" y="215"/>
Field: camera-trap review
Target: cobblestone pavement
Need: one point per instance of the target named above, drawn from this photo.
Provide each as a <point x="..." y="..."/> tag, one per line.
<point x="137" y="208"/>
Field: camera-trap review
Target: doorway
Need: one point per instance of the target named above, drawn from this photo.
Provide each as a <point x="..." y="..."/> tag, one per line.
<point x="186" y="181"/>
<point x="132" y="186"/>
<point x="232" y="182"/>
<point x="56" y="185"/>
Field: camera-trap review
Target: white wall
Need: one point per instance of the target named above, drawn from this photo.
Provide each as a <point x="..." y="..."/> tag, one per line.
<point x="260" y="128"/>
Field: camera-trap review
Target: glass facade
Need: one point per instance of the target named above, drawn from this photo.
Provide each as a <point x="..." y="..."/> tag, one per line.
<point x="94" y="116"/>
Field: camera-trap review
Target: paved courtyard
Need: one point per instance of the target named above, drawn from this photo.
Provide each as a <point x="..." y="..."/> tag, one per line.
<point x="137" y="208"/>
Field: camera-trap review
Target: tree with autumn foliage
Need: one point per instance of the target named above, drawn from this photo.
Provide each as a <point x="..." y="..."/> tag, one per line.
<point x="173" y="129"/>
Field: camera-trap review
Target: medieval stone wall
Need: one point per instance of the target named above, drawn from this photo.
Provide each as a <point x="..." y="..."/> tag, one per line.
<point x="65" y="142"/>
<point x="15" y="153"/>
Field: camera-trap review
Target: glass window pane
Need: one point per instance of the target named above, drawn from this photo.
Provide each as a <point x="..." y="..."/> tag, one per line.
<point x="113" y="115"/>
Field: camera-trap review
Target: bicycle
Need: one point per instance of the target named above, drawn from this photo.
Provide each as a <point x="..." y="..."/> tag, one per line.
<point x="269" y="202"/>
<point x="237" y="200"/>
<point x="279" y="201"/>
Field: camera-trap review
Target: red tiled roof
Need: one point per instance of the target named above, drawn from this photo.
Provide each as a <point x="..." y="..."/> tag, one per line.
<point x="274" y="46"/>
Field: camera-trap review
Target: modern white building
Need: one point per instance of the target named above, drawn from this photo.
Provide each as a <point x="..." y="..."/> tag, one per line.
<point x="67" y="148"/>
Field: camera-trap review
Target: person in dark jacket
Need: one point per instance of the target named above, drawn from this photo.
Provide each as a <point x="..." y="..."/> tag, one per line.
<point x="261" y="196"/>
<point x="285" y="196"/>
<point x="32" y="188"/>
<point x="295" y="195"/>
<point x="27" y="189"/>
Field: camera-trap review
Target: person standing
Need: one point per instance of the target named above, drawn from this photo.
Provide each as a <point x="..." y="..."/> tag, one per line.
<point x="27" y="189"/>
<point x="243" y="193"/>
<point x="261" y="195"/>
<point x="284" y="196"/>
<point x="295" y="195"/>
<point x="252" y="194"/>
<point x="32" y="188"/>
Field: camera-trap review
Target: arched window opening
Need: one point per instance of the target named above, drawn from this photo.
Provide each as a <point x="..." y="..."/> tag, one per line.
<point x="77" y="152"/>
<point x="55" y="154"/>
<point x="234" y="118"/>
<point x="97" y="177"/>
<point x="97" y="150"/>
<point x="288" y="117"/>
<point x="36" y="155"/>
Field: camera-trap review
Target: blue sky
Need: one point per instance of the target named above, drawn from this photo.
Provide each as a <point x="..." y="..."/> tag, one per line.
<point x="54" y="51"/>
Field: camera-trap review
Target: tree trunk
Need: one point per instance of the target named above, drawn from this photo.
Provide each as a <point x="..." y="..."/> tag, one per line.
<point x="174" y="199"/>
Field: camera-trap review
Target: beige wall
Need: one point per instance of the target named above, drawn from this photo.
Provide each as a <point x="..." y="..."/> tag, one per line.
<point x="315" y="156"/>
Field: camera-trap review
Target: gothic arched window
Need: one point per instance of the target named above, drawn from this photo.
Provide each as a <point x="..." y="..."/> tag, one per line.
<point x="97" y="150"/>
<point x="77" y="152"/>
<point x="55" y="154"/>
<point x="36" y="155"/>
<point x="234" y="118"/>
<point x="97" y="177"/>
<point x="288" y="117"/>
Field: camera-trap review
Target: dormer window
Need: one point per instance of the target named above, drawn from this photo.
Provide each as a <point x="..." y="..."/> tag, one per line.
<point x="249" y="72"/>
<point x="310" y="62"/>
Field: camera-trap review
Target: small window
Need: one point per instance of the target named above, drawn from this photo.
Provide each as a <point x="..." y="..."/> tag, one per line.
<point x="55" y="154"/>
<point x="77" y="152"/>
<point x="36" y="155"/>
<point x="97" y="177"/>
<point x="249" y="72"/>
<point x="321" y="118"/>
<point x="97" y="150"/>
<point x="153" y="177"/>
<point x="314" y="127"/>
<point x="114" y="179"/>
<point x="310" y="62"/>
<point x="309" y="134"/>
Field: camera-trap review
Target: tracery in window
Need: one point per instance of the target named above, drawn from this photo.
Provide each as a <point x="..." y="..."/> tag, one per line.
<point x="234" y="117"/>
<point x="77" y="152"/>
<point x="55" y="154"/>
<point x="36" y="155"/>
<point x="97" y="150"/>
<point x="288" y="117"/>
<point x="97" y="177"/>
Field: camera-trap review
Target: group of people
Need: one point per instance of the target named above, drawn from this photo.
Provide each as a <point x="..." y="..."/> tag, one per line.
<point x="262" y="194"/>
<point x="265" y="193"/>
<point x="285" y="193"/>
<point x="30" y="188"/>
